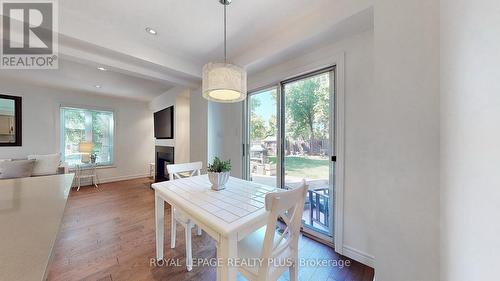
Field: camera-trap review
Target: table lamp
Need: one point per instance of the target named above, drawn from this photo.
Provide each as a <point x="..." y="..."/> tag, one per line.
<point x="85" y="149"/>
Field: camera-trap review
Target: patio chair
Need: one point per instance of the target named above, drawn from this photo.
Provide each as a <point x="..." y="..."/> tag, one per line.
<point x="319" y="201"/>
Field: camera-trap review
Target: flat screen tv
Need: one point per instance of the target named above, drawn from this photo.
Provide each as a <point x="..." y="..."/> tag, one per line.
<point x="164" y="123"/>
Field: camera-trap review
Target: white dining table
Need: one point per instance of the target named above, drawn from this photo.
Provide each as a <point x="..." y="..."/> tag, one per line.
<point x="228" y="215"/>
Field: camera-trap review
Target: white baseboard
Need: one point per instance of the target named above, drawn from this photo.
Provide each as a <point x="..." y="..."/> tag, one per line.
<point x="121" y="178"/>
<point x="111" y="179"/>
<point x="359" y="256"/>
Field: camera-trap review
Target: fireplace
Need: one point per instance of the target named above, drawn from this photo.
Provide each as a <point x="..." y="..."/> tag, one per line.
<point x="164" y="156"/>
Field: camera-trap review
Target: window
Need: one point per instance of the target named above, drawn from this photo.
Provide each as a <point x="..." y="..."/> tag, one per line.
<point x="80" y="125"/>
<point x="263" y="136"/>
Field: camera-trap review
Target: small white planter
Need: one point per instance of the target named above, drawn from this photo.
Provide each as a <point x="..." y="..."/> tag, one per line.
<point x="218" y="180"/>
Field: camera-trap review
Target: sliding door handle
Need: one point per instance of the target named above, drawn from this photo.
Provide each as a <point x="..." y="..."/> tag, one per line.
<point x="334" y="158"/>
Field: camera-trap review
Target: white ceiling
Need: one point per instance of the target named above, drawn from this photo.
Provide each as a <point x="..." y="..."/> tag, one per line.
<point x="112" y="33"/>
<point x="77" y="76"/>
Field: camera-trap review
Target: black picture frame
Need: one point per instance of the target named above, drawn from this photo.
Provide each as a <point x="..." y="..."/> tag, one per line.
<point x="18" y="122"/>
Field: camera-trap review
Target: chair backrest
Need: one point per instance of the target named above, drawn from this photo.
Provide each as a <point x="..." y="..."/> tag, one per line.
<point x="194" y="168"/>
<point x="289" y="206"/>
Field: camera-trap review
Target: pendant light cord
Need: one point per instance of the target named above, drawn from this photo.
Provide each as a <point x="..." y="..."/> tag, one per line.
<point x="225" y="50"/>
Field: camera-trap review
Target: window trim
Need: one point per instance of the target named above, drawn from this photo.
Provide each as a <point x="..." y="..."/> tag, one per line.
<point x="111" y="164"/>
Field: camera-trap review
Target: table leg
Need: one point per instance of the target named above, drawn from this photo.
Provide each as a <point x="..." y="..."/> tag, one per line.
<point x="189" y="249"/>
<point x="160" y="228"/>
<point x="227" y="248"/>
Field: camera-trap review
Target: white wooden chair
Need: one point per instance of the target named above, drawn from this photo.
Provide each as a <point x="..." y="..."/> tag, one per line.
<point x="174" y="171"/>
<point x="267" y="244"/>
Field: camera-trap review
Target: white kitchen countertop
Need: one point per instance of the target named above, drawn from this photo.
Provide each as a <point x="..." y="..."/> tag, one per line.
<point x="31" y="211"/>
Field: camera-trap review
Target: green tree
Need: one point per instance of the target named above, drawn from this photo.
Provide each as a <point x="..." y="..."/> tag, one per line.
<point x="307" y="109"/>
<point x="98" y="131"/>
<point x="257" y="128"/>
<point x="74" y="126"/>
<point x="271" y="126"/>
<point x="257" y="125"/>
<point x="322" y="115"/>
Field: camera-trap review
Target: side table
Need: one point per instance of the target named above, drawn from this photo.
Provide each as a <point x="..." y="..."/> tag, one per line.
<point x="85" y="172"/>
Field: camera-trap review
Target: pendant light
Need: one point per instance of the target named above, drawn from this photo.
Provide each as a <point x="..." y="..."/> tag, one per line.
<point x="222" y="81"/>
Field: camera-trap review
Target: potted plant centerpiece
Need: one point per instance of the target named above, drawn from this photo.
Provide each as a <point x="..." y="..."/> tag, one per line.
<point x="218" y="173"/>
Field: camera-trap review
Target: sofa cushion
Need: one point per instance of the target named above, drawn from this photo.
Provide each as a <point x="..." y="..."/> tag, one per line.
<point x="16" y="169"/>
<point x="45" y="164"/>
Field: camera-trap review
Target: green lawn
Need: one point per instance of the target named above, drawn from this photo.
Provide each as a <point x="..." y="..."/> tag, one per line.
<point x="304" y="166"/>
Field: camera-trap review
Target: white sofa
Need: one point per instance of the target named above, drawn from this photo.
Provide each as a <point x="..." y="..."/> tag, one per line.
<point x="32" y="165"/>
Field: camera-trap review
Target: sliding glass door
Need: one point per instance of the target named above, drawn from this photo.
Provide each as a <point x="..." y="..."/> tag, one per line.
<point x="307" y="145"/>
<point x="291" y="133"/>
<point x="262" y="145"/>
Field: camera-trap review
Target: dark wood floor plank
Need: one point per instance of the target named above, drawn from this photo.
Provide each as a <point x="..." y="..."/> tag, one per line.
<point x="109" y="234"/>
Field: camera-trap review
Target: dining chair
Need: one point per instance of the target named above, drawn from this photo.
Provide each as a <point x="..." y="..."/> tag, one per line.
<point x="277" y="249"/>
<point x="177" y="171"/>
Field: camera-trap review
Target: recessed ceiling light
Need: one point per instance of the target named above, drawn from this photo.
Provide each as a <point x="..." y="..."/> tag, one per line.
<point x="151" y="31"/>
<point x="97" y="86"/>
<point x="101" y="68"/>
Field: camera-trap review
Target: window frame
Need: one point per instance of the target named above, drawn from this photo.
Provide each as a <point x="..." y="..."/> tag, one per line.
<point x="62" y="135"/>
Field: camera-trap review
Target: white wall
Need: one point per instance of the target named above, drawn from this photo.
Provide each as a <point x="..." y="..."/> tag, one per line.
<point x="225" y="130"/>
<point x="224" y="134"/>
<point x="404" y="145"/>
<point x="191" y="123"/>
<point x="182" y="129"/>
<point x="134" y="147"/>
<point x="470" y="140"/>
<point x="199" y="127"/>
<point x="179" y="97"/>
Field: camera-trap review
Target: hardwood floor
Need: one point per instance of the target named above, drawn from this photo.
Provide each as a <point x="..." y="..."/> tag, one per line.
<point x="108" y="234"/>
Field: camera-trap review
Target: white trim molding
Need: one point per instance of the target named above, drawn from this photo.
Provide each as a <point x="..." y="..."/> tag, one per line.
<point x="121" y="178"/>
<point x="115" y="179"/>
<point x="338" y="61"/>
<point x="359" y="256"/>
